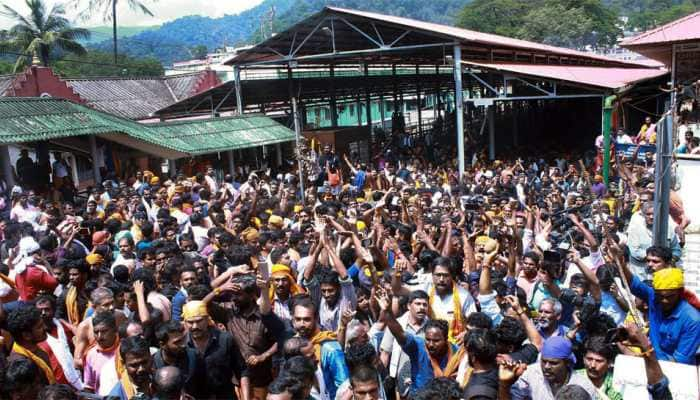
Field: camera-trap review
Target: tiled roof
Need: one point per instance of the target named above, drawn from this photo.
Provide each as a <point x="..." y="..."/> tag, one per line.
<point x="134" y="98"/>
<point x="32" y="119"/>
<point x="6" y="83"/>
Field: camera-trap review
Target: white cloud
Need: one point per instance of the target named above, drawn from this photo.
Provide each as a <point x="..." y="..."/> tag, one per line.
<point x="163" y="10"/>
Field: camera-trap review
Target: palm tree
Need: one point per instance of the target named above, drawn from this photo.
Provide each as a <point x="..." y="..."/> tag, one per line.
<point x="108" y="9"/>
<point x="39" y="33"/>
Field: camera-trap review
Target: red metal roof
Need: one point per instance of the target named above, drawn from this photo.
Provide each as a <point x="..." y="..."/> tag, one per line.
<point x="604" y="77"/>
<point x="474" y="36"/>
<point x="680" y="30"/>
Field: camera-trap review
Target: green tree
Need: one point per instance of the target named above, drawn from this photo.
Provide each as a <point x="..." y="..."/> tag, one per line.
<point x="569" y="23"/>
<point x="199" y="52"/>
<point x="41" y="33"/>
<point x="99" y="63"/>
<point x="108" y="10"/>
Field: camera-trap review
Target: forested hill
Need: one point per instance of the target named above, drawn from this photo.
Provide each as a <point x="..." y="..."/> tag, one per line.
<point x="560" y="22"/>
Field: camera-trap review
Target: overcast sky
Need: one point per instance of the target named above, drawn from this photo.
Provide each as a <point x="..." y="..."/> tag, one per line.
<point x="164" y="10"/>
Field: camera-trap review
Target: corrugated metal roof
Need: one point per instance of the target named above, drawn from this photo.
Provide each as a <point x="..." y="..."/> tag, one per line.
<point x="680" y="30"/>
<point x="219" y="134"/>
<point x="134" y="98"/>
<point x="32" y="119"/>
<point x="604" y="77"/>
<point x="473" y="36"/>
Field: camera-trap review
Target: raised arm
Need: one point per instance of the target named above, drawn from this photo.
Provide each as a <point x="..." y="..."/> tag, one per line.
<point x="387" y="316"/>
<point x="592" y="279"/>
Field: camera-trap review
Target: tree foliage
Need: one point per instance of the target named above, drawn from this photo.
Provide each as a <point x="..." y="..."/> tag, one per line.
<point x="647" y="14"/>
<point x="568" y="23"/>
<point x="97" y="63"/>
<point x="42" y="34"/>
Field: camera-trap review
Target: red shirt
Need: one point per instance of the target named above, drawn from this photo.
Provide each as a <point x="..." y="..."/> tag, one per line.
<point x="32" y="281"/>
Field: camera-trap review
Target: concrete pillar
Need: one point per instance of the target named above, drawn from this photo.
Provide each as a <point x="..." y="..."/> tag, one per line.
<point x="297" y="134"/>
<point x="7" y="167"/>
<point x="492" y="131"/>
<point x="93" y="153"/>
<point x="74" y="169"/>
<point x="358" y="105"/>
<point x="459" y="114"/>
<point x="231" y="164"/>
<point x="418" y="101"/>
<point x="381" y="111"/>
<point x="278" y="152"/>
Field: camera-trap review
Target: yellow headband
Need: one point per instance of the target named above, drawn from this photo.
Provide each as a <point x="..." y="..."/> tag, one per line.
<point x="281" y="269"/>
<point x="668" y="278"/>
<point x="194" y="309"/>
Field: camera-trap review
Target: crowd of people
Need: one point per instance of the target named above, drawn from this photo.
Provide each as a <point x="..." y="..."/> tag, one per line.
<point x="393" y="278"/>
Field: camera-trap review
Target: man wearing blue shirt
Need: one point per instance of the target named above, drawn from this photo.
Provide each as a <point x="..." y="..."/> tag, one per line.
<point x="431" y="357"/>
<point x="674" y="324"/>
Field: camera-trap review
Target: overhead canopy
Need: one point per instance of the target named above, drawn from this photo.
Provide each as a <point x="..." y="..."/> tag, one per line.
<point x="602" y="77"/>
<point x="351" y="36"/>
<point x="221" y="134"/>
<point x="658" y="43"/>
<point x="34" y="119"/>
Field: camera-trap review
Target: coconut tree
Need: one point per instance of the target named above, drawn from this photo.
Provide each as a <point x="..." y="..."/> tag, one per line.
<point x="40" y="33"/>
<point x="108" y="10"/>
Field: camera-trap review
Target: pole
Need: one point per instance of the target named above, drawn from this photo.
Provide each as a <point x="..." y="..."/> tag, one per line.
<point x="459" y="114"/>
<point x="368" y="101"/>
<point x="492" y="131"/>
<point x="7" y="167"/>
<point x="607" y="121"/>
<point x="231" y="164"/>
<point x="662" y="179"/>
<point x="334" y="106"/>
<point x="114" y="28"/>
<point x="382" y="114"/>
<point x="297" y="133"/>
<point x="278" y="154"/>
<point x="93" y="153"/>
<point x="239" y="94"/>
<point x="420" y="121"/>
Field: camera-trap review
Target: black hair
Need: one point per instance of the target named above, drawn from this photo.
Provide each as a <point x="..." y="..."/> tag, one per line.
<point x="198" y="292"/>
<point x="165" y="329"/>
<point x="121" y="273"/>
<point x="481" y="345"/>
<point x="276" y="254"/>
<point x="21" y="374"/>
<point x="247" y="284"/>
<point x="510" y="332"/>
<point x="22" y="320"/>
<point x="135" y="345"/>
<point x="572" y="392"/>
<point x="106" y="318"/>
<point x="43" y="298"/>
<point x="146" y="276"/>
<point x="347" y="256"/>
<point x="328" y="276"/>
<point x="439" y="324"/>
<point x="479" y="320"/>
<point x="533" y="256"/>
<point x="57" y="392"/>
<point x="447" y="263"/>
<point x="364" y="373"/>
<point x="426" y="258"/>
<point x="596" y="344"/>
<point x="663" y="252"/>
<point x="417" y="294"/>
<point x="359" y="354"/>
<point x="286" y="383"/>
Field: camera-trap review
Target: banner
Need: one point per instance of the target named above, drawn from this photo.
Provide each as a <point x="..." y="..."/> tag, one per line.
<point x="628" y="149"/>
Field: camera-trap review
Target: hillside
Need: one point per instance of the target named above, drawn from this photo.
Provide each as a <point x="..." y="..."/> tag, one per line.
<point x="175" y="40"/>
<point x="102" y="33"/>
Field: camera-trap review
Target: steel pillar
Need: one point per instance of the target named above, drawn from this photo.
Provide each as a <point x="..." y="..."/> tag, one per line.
<point x="492" y="131"/>
<point x="662" y="179"/>
<point x="334" y="105"/>
<point x="297" y="134"/>
<point x="231" y="164"/>
<point x="239" y="94"/>
<point x="459" y="105"/>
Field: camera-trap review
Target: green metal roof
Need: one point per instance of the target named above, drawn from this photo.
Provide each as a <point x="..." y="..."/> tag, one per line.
<point x="32" y="119"/>
<point x="220" y="134"/>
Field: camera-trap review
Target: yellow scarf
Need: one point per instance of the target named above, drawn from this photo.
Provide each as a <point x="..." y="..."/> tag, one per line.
<point x="318" y="338"/>
<point x="36" y="360"/>
<point x="72" y="306"/>
<point x="437" y="371"/>
<point x="285" y="271"/>
<point x="456" y="326"/>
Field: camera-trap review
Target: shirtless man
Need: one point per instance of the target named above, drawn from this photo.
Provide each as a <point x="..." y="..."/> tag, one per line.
<point x="102" y="299"/>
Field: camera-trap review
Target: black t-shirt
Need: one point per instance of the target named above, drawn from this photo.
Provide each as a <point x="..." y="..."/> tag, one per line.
<point x="527" y="353"/>
<point x="487" y="378"/>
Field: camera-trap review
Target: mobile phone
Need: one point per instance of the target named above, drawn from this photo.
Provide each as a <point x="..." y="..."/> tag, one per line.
<point x="366" y="242"/>
<point x="264" y="270"/>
